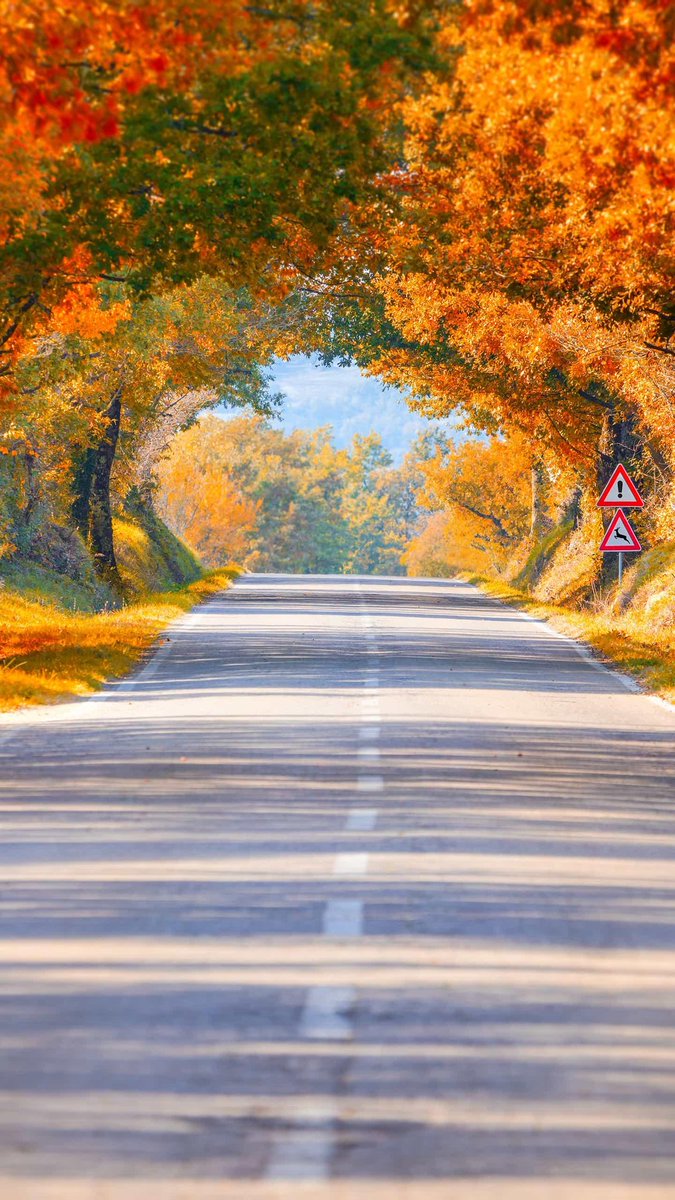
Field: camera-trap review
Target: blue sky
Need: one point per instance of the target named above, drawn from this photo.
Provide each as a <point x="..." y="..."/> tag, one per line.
<point x="347" y="400"/>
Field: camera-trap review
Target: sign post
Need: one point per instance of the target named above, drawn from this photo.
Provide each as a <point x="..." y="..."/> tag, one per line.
<point x="620" y="492"/>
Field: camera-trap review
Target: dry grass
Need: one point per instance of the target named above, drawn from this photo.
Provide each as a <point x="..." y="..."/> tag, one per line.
<point x="632" y="642"/>
<point x="48" y="653"/>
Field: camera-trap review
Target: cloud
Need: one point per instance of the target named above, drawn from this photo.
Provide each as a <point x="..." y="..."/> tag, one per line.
<point x="348" y="401"/>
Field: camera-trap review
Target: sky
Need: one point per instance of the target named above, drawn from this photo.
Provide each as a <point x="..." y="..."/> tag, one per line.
<point x="349" y="401"/>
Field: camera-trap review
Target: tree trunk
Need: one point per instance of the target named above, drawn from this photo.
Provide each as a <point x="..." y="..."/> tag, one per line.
<point x="100" y="508"/>
<point x="618" y="443"/>
<point x="539" y="523"/>
<point x="91" y="509"/>
<point x="84" y="473"/>
<point x="32" y="487"/>
<point x="571" y="509"/>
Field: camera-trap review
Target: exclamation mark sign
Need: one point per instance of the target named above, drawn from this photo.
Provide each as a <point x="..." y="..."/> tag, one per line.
<point x="619" y="488"/>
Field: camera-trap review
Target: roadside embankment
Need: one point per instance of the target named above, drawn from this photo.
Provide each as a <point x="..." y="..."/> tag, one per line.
<point x="48" y="652"/>
<point x="63" y="633"/>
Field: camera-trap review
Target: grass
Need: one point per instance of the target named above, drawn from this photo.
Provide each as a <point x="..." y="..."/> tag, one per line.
<point x="49" y="652"/>
<point x="150" y="557"/>
<point x="629" y="642"/>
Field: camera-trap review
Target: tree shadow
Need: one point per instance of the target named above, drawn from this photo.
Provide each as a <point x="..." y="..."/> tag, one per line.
<point x="164" y="882"/>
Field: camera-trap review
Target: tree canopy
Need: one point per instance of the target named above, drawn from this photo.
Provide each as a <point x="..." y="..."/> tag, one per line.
<point x="472" y="200"/>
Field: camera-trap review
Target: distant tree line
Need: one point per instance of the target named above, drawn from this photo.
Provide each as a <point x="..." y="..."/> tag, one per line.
<point x="242" y="490"/>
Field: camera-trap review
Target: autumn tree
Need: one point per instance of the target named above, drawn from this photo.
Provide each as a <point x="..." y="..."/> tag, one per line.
<point x="518" y="262"/>
<point x="159" y="142"/>
<point x="483" y="488"/>
<point x="101" y="404"/>
<point x="312" y="507"/>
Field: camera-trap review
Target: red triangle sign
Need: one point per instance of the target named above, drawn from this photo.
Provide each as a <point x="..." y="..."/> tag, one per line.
<point x="620" y="535"/>
<point x="621" y="492"/>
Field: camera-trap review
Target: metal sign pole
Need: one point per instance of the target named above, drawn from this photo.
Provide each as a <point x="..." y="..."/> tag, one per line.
<point x="620" y="566"/>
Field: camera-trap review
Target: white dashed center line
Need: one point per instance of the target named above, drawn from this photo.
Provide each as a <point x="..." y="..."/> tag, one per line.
<point x="362" y="820"/>
<point x="325" y="1016"/>
<point x="306" y="1151"/>
<point x="370" y="783"/>
<point x="343" y="919"/>
<point x="351" y="864"/>
<point x="369" y="733"/>
<point x="371" y="753"/>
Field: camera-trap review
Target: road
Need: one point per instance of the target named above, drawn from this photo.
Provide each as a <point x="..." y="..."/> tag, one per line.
<point x="362" y="889"/>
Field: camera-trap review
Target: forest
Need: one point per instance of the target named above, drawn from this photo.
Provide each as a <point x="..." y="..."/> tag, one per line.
<point x="242" y="491"/>
<point x="471" y="201"/>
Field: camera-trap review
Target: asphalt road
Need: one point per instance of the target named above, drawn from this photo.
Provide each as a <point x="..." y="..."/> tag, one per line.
<point x="361" y="890"/>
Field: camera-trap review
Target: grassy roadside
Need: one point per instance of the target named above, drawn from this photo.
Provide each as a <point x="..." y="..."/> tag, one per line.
<point x="48" y="653"/>
<point x="626" y="642"/>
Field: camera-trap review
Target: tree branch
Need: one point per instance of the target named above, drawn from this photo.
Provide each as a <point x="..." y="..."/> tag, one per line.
<point x="12" y="328"/>
<point x="476" y="512"/>
<point x="209" y="130"/>
<point x="595" y="399"/>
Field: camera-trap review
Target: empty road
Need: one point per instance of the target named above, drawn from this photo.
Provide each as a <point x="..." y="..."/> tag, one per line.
<point x="361" y="889"/>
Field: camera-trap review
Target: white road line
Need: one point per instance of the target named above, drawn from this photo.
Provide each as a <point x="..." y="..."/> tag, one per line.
<point x="370" y="783"/>
<point x="325" y="1016"/>
<point x="370" y="752"/>
<point x="361" y="819"/>
<point x="369" y="733"/>
<point x="305" y="1151"/>
<point x="351" y="864"/>
<point x="343" y="919"/>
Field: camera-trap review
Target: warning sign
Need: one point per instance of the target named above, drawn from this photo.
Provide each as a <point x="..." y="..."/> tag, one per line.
<point x="620" y="535"/>
<point x="621" y="492"/>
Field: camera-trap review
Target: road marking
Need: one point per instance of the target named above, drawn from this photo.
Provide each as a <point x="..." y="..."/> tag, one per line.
<point x="369" y="733"/>
<point x="370" y="783"/>
<point x="305" y="1151"/>
<point x="372" y="752"/>
<point x="325" y="1016"/>
<point x="343" y="919"/>
<point x="361" y="819"/>
<point x="351" y="864"/>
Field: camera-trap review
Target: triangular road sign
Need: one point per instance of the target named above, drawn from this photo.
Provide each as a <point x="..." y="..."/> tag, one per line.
<point x="621" y="492"/>
<point x="620" y="535"/>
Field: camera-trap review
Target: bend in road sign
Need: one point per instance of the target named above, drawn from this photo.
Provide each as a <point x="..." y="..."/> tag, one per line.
<point x="620" y="535"/>
<point x="620" y="491"/>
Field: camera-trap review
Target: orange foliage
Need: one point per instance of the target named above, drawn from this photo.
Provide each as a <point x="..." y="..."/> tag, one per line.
<point x="484" y="491"/>
<point x="207" y="508"/>
<point x="533" y="256"/>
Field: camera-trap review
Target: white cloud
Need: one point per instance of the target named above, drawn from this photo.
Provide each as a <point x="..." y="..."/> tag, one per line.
<point x="349" y="401"/>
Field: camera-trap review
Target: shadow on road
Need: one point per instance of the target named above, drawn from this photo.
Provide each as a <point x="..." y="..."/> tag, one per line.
<point x="163" y="884"/>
